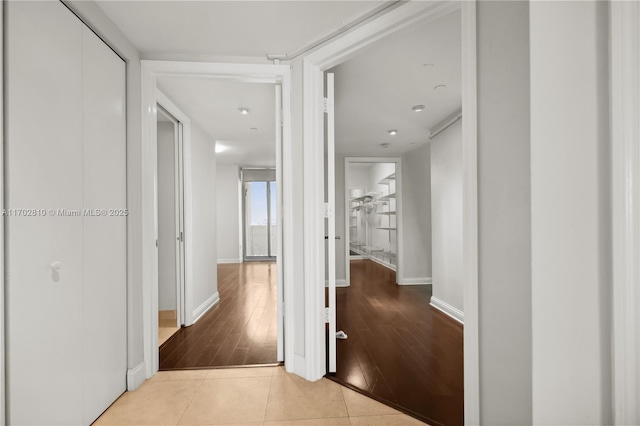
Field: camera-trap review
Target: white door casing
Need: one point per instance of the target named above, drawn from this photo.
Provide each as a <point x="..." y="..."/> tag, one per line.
<point x="331" y="219"/>
<point x="279" y="225"/>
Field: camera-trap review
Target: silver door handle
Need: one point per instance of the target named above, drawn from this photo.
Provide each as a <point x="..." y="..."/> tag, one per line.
<point x="326" y="237"/>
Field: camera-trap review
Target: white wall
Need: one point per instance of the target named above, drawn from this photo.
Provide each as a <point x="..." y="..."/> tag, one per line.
<point x="416" y="217"/>
<point x="167" y="296"/>
<point x="204" y="247"/>
<point x="570" y="219"/>
<point x="446" y="217"/>
<point x="504" y="206"/>
<point x="228" y="196"/>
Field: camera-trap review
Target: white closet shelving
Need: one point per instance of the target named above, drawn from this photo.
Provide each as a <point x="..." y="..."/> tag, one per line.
<point x="372" y="222"/>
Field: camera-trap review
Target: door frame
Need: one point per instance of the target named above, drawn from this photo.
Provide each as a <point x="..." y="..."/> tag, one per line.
<point x="250" y="73"/>
<point x="183" y="125"/>
<point x="314" y="66"/>
<point x="625" y="199"/>
<point x="399" y="228"/>
<point x="243" y="197"/>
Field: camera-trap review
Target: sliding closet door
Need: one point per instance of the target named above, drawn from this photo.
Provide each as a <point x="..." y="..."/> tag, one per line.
<point x="105" y="254"/>
<point x="44" y="253"/>
<point x="66" y="254"/>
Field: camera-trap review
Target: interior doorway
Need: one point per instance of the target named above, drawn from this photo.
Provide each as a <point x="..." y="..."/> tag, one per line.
<point x="236" y="232"/>
<point x="170" y="212"/>
<point x="395" y="329"/>
<point x="372" y="214"/>
<point x="259" y="201"/>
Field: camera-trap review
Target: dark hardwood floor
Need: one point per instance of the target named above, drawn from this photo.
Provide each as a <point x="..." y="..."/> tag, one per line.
<point x="240" y="330"/>
<point x="400" y="349"/>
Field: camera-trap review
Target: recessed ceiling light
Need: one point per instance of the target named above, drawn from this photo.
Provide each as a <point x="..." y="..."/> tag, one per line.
<point x="385" y="145"/>
<point x="254" y="129"/>
<point x="220" y="148"/>
<point x="244" y="111"/>
<point x="440" y="86"/>
<point x="417" y="108"/>
<point x="392" y="132"/>
<point x="428" y="65"/>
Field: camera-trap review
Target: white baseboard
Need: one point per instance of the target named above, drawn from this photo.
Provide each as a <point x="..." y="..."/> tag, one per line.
<point x="208" y="304"/>
<point x="416" y="281"/>
<point x="299" y="366"/>
<point x="446" y="308"/>
<point x="342" y="283"/>
<point x="339" y="283"/>
<point x="136" y="376"/>
<point x="357" y="257"/>
<point x="229" y="260"/>
<point x="385" y="264"/>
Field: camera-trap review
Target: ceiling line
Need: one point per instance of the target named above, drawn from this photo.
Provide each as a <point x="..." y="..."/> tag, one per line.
<point x="378" y="10"/>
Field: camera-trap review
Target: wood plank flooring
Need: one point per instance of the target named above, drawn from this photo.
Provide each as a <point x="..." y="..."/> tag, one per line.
<point x="400" y="349"/>
<point x="240" y="330"/>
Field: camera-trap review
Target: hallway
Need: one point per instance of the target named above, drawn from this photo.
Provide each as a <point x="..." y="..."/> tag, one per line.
<point x="240" y="330"/>
<point x="400" y="349"/>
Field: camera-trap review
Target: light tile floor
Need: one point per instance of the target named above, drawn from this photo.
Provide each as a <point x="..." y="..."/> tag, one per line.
<point x="266" y="396"/>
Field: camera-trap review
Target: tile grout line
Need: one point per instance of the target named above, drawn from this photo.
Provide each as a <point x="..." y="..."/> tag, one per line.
<point x="191" y="401"/>
<point x="344" y="401"/>
<point x="266" y="405"/>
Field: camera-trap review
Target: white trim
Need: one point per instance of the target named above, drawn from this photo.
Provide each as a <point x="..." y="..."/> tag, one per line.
<point x="205" y="306"/>
<point x="339" y="283"/>
<point x="625" y="134"/>
<point x="2" y="195"/>
<point x="385" y="264"/>
<point x="298" y="366"/>
<point x="314" y="65"/>
<point x="221" y="261"/>
<point x="136" y="376"/>
<point x="446" y="308"/>
<point x="236" y="72"/>
<point x="470" y="214"/>
<point x="416" y="281"/>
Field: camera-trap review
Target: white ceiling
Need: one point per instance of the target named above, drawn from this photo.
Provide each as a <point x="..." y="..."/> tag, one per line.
<point x="376" y="89"/>
<point x="213" y="105"/>
<point x="230" y="28"/>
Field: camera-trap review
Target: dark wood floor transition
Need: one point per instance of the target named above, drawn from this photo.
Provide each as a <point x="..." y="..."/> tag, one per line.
<point x="400" y="349"/>
<point x="240" y="330"/>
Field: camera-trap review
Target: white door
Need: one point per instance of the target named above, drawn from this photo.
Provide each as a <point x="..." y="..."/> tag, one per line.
<point x="44" y="253"/>
<point x="105" y="237"/>
<point x="279" y="209"/>
<point x="66" y="271"/>
<point x="331" y="222"/>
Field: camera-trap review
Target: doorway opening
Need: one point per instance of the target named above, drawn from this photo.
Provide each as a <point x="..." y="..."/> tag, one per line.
<point x="259" y="202"/>
<point x="170" y="211"/>
<point x="235" y="179"/>
<point x="372" y="215"/>
<point x="391" y="334"/>
<point x="198" y="162"/>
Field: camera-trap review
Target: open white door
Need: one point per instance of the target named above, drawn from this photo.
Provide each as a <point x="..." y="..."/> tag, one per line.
<point x="331" y="222"/>
<point x="279" y="223"/>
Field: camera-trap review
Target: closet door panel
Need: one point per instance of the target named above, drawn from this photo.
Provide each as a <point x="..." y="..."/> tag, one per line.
<point x="105" y="261"/>
<point x="44" y="171"/>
